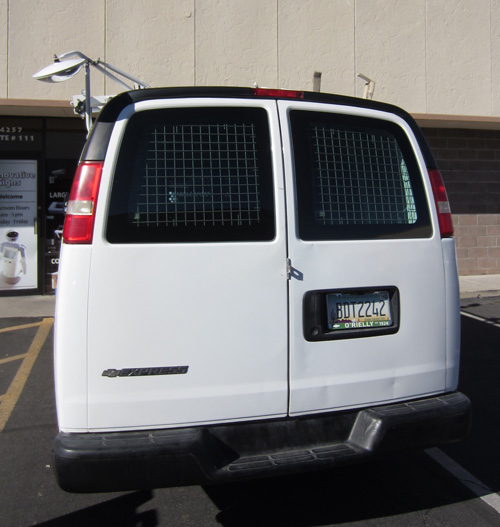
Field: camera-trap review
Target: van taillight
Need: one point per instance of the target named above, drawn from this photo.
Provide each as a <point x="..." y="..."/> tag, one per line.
<point x="442" y="204"/>
<point x="80" y="213"/>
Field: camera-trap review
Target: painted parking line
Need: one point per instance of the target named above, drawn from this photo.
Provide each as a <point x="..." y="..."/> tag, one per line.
<point x="24" y="326"/>
<point x="480" y="489"/>
<point x="9" y="399"/>
<point x="477" y="487"/>
<point x="480" y="319"/>
<point x="13" y="358"/>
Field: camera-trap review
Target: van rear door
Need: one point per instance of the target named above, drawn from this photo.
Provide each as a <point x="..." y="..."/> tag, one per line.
<point x="188" y="292"/>
<point x="367" y="299"/>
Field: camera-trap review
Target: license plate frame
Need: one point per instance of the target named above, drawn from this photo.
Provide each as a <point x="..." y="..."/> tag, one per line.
<point x="358" y="311"/>
<point x="315" y="314"/>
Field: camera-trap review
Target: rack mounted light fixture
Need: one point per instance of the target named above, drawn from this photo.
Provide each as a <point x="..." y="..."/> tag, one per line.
<point x="69" y="64"/>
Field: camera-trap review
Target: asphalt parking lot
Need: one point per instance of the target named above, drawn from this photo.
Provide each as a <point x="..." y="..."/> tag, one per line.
<point x="455" y="485"/>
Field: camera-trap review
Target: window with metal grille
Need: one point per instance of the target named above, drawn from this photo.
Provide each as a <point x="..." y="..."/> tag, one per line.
<point x="196" y="174"/>
<point x="360" y="178"/>
<point x="356" y="178"/>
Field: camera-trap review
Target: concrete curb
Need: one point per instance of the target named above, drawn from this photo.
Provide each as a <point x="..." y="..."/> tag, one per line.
<point x="27" y="306"/>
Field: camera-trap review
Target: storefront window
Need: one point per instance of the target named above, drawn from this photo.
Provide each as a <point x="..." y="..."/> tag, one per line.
<point x="38" y="158"/>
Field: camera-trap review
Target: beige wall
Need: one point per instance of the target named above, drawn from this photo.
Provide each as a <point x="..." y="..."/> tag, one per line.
<point x="459" y="62"/>
<point x="37" y="30"/>
<point x="150" y="39"/>
<point x="429" y="56"/>
<point x="3" y="48"/>
<point x="317" y="36"/>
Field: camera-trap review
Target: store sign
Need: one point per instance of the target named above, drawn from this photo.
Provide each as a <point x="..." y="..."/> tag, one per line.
<point x="18" y="212"/>
<point x="15" y="134"/>
<point x="20" y="135"/>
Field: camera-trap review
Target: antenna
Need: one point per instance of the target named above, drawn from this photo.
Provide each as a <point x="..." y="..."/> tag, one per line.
<point x="369" y="86"/>
<point x="317" y="81"/>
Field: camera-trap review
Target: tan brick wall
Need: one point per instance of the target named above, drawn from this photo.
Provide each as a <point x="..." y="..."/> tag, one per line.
<point x="470" y="163"/>
<point x="478" y="243"/>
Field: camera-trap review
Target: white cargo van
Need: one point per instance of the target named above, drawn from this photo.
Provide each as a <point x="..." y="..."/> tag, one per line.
<point x="252" y="283"/>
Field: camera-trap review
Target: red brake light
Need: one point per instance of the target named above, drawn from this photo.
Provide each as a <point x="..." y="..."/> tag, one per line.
<point x="80" y="213"/>
<point x="271" y="92"/>
<point x="442" y="204"/>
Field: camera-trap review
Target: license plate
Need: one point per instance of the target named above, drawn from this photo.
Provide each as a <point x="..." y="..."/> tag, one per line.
<point x="368" y="310"/>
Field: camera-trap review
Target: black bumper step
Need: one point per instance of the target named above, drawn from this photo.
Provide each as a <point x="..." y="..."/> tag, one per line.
<point x="98" y="462"/>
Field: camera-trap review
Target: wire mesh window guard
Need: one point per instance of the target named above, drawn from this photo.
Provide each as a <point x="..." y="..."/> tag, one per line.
<point x="356" y="178"/>
<point x="196" y="175"/>
<point x="200" y="174"/>
<point x="360" y="178"/>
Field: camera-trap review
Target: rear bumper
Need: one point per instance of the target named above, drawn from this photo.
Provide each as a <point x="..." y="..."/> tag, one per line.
<point x="98" y="462"/>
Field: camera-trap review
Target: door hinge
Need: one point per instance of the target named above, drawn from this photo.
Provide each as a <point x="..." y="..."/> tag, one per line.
<point x="288" y="269"/>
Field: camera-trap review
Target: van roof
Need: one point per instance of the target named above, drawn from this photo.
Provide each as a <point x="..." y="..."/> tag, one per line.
<point x="97" y="143"/>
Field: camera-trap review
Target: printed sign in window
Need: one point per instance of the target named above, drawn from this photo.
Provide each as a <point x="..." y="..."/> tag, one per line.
<point x="18" y="238"/>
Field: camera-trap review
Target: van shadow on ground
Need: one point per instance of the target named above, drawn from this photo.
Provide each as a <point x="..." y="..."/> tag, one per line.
<point x="406" y="484"/>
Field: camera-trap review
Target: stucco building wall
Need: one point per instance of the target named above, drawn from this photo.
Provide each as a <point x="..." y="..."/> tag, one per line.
<point x="429" y="56"/>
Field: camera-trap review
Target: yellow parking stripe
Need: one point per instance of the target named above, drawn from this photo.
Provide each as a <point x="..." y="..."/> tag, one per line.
<point x="10" y="399"/>
<point x="15" y="357"/>
<point x="24" y="326"/>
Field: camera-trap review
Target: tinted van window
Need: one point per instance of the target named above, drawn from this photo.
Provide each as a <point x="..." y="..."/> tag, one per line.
<point x="193" y="175"/>
<point x="356" y="178"/>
